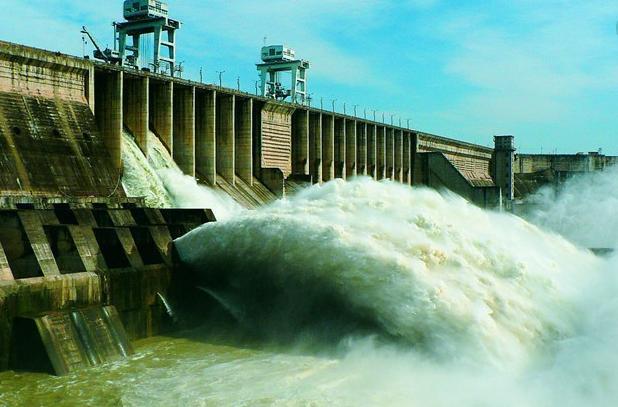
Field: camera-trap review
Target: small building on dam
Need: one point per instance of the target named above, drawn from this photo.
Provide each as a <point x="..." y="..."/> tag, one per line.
<point x="84" y="268"/>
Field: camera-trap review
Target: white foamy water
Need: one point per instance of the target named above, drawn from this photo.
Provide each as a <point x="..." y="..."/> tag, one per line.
<point x="485" y="308"/>
<point x="139" y="179"/>
<point x="424" y="300"/>
<point x="583" y="209"/>
<point x="163" y="185"/>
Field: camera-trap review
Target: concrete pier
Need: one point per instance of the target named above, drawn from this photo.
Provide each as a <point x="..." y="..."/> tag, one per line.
<point x="226" y="105"/>
<point x="398" y="156"/>
<point x="390" y="154"/>
<point x="328" y="147"/>
<point x="243" y="151"/>
<point x="372" y="151"/>
<point x="184" y="129"/>
<point x="381" y="162"/>
<point x="300" y="143"/>
<point x="161" y="111"/>
<point x="362" y="148"/>
<point x="340" y="147"/>
<point x="351" y="155"/>
<point x="315" y="147"/>
<point x="407" y="172"/>
<point x="206" y="135"/>
<point x="108" y="112"/>
<point x="135" y="107"/>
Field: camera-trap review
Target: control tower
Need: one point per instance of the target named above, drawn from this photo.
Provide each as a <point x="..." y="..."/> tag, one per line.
<point x="504" y="158"/>
<point x="145" y="17"/>
<point x="278" y="59"/>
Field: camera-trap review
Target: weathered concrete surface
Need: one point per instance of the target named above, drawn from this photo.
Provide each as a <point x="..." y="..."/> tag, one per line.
<point x="50" y="144"/>
<point x="328" y="147"/>
<point x="69" y="340"/>
<point x="212" y="131"/>
<point x="275" y="143"/>
<point x="362" y="149"/>
<point x="184" y="129"/>
<point x="351" y="149"/>
<point x="36" y="295"/>
<point x="438" y="172"/>
<point x="161" y="111"/>
<point x="534" y="171"/>
<point x="206" y="135"/>
<point x="315" y="147"/>
<point x="108" y="111"/>
<point x="300" y="143"/>
<point x="243" y="153"/>
<point x="226" y="104"/>
<point x="339" y="152"/>
<point x="136" y="108"/>
<point x="472" y="161"/>
<point x="86" y="257"/>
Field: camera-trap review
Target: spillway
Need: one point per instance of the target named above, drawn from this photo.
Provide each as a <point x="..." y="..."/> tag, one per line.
<point x="241" y="251"/>
<point x="371" y="293"/>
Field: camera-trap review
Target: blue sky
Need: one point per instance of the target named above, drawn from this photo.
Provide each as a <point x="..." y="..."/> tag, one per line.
<point x="545" y="71"/>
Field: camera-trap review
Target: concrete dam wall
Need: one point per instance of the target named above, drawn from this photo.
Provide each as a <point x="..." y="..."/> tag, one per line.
<point x="84" y="268"/>
<point x="67" y="115"/>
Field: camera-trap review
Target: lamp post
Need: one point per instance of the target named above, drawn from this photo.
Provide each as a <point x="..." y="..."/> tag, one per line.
<point x="220" y="78"/>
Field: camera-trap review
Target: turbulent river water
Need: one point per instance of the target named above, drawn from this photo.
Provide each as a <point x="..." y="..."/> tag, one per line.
<point x="373" y="293"/>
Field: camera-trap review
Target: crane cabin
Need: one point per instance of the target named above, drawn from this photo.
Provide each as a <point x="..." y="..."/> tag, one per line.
<point x="144" y="9"/>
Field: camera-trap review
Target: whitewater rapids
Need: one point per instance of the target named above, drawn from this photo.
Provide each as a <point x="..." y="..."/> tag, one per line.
<point x="433" y="300"/>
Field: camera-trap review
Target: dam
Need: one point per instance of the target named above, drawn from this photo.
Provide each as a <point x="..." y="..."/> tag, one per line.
<point x="312" y="228"/>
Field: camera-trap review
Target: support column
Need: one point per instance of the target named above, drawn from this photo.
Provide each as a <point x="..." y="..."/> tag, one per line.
<point x="390" y="154"/>
<point x="328" y="147"/>
<point x="372" y="152"/>
<point x="315" y="147"/>
<point x="361" y="148"/>
<point x="184" y="129"/>
<point x="135" y="107"/>
<point x="340" y="147"/>
<point x="399" y="155"/>
<point x="90" y="87"/>
<point x="406" y="159"/>
<point x="205" y="135"/>
<point x="108" y="112"/>
<point x="243" y="146"/>
<point x="351" y="140"/>
<point x="5" y="270"/>
<point x="161" y="111"/>
<point x="381" y="152"/>
<point x="416" y="174"/>
<point x="225" y="136"/>
<point x="300" y="142"/>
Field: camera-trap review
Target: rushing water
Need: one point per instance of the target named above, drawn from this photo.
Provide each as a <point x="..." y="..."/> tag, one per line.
<point x="373" y="293"/>
<point x="163" y="185"/>
<point x="583" y="209"/>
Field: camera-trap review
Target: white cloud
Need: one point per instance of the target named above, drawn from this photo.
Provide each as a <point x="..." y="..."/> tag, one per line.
<point x="538" y="66"/>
